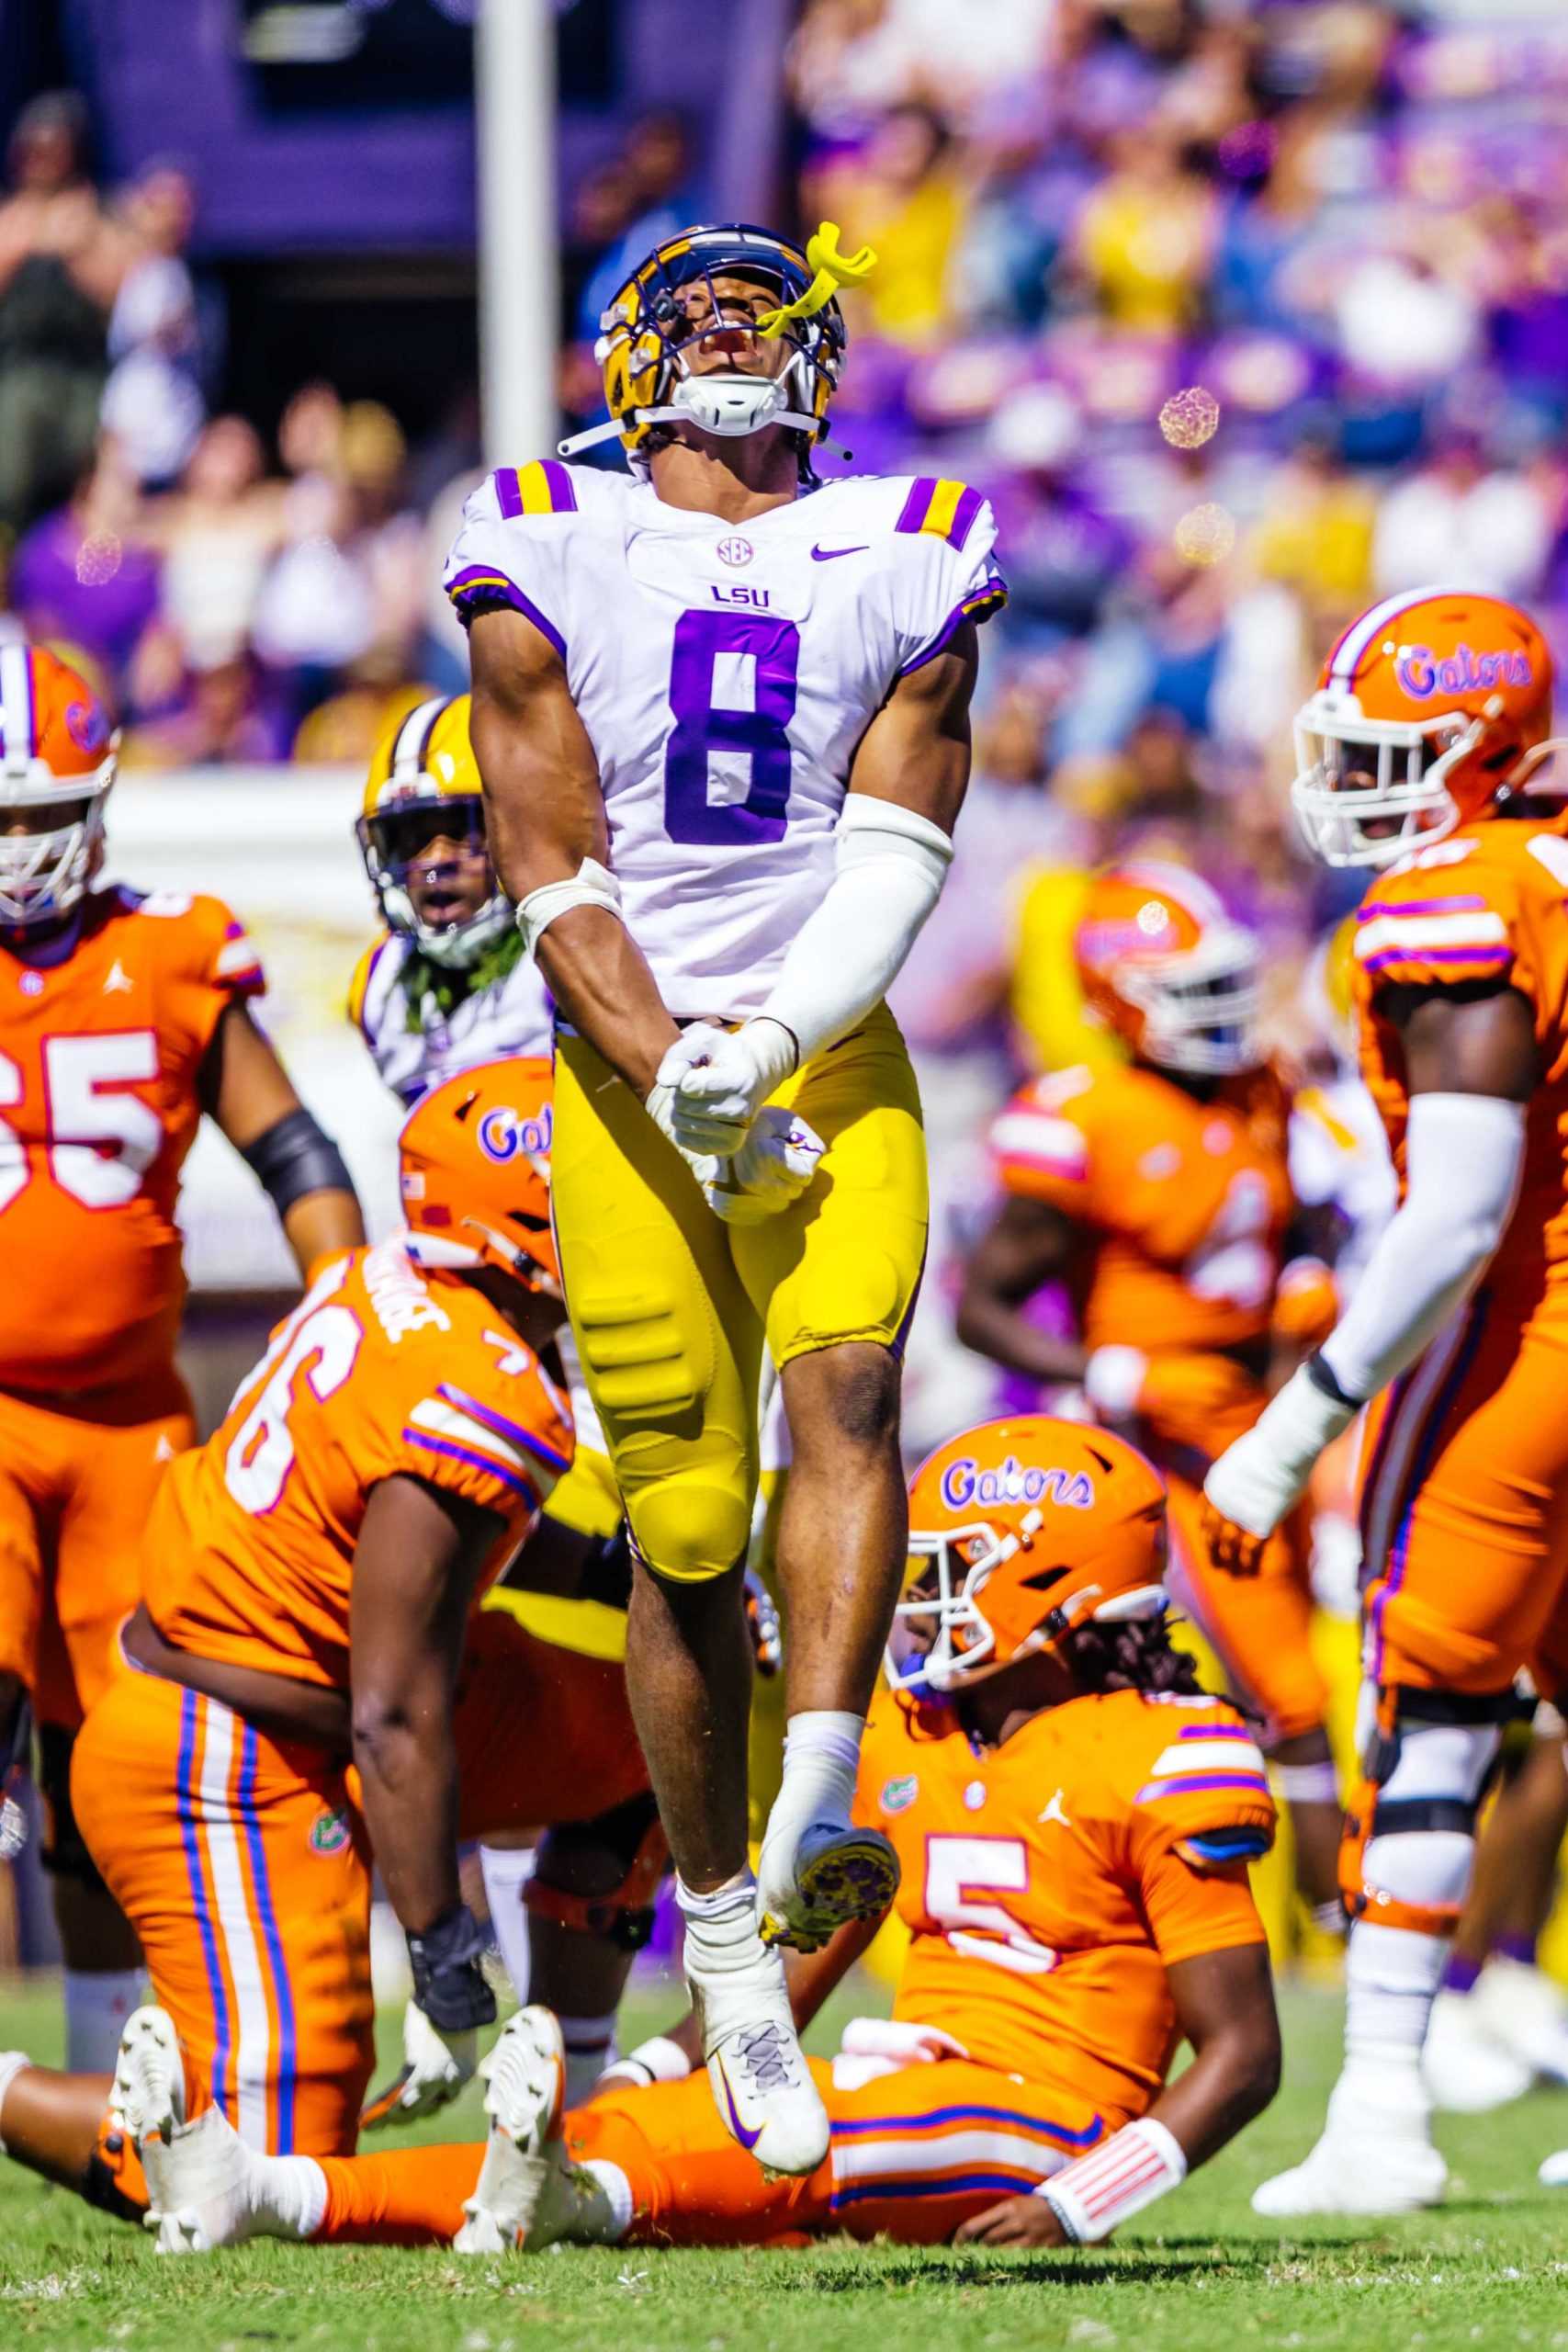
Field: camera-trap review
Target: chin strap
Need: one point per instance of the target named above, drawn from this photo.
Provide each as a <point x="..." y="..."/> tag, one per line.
<point x="614" y="427"/>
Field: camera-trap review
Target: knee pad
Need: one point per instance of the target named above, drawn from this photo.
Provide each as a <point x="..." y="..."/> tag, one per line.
<point x="63" y="1851"/>
<point x="690" y="1528"/>
<point x="1410" y="1828"/>
<point x="600" y="1877"/>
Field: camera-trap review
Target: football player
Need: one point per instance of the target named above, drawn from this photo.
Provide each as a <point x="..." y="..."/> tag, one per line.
<point x="1422" y="755"/>
<point x="305" y="1687"/>
<point x="125" y="1017"/>
<point x="1157" y="1191"/>
<point x="723" y="729"/>
<point x="1075" y="1819"/>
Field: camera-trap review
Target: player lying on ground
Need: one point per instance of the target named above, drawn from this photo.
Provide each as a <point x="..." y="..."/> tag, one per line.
<point x="1423" y="753"/>
<point x="125" y="1018"/>
<point x="723" y="728"/>
<point x="305" y="1687"/>
<point x="1075" y="1821"/>
<point x="1159" y="1193"/>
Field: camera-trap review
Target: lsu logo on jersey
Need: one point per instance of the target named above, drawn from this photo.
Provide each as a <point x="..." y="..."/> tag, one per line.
<point x="964" y="1481"/>
<point x="503" y="1135"/>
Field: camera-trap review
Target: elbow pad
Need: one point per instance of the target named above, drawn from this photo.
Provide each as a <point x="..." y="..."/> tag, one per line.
<point x="296" y="1156"/>
<point x="1464" y="1154"/>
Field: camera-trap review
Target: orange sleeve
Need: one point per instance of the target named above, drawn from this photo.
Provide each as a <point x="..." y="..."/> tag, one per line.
<point x="1201" y="1813"/>
<point x="213" y="963"/>
<point x="1194" y="1909"/>
<point x="1040" y="1152"/>
<point x="1444" y="923"/>
<point x="501" y="1451"/>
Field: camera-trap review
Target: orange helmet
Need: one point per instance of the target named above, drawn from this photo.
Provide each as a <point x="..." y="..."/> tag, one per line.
<point x="1162" y="963"/>
<point x="475" y="1164"/>
<point x="57" y="763"/>
<point x="1432" y="706"/>
<point x="1019" y="1532"/>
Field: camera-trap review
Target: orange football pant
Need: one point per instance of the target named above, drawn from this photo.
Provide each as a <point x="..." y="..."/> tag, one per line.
<point x="912" y="2154"/>
<point x="244" y="1864"/>
<point x="1464" y="1509"/>
<point x="76" y="1483"/>
<point x="1258" y="1627"/>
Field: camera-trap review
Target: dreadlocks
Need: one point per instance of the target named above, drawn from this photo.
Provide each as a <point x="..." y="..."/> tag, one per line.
<point x="1132" y="1656"/>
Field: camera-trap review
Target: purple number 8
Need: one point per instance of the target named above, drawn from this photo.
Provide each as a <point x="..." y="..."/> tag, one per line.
<point x="761" y="733"/>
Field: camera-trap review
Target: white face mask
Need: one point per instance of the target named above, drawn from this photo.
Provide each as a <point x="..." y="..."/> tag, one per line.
<point x="1406" y="797"/>
<point x="1201" y="1006"/>
<point x="44" y="873"/>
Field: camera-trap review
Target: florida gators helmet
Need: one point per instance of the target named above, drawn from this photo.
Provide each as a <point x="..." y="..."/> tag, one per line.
<point x="474" y="1160"/>
<point x="424" y="775"/>
<point x="1020" y="1531"/>
<point x="1164" y="966"/>
<point x="670" y="305"/>
<point x="57" y="763"/>
<point x="1432" y="706"/>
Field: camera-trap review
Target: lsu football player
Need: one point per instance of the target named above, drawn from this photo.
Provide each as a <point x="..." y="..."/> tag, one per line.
<point x="306" y="1687"/>
<point x="124" y="1018"/>
<point x="721" y="714"/>
<point x="1075" y="1819"/>
<point x="1158" y="1189"/>
<point x="448" y="983"/>
<point x="1424" y="754"/>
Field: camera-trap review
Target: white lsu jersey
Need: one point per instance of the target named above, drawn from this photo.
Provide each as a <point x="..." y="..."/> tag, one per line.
<point x="725" y="674"/>
<point x="512" y="1016"/>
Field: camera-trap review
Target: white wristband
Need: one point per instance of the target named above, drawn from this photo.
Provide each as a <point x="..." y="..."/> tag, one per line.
<point x="658" y="2060"/>
<point x="1105" y="2188"/>
<point x="592" y="886"/>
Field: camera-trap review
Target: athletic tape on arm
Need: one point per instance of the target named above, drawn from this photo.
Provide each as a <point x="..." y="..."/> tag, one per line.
<point x="592" y="886"/>
<point x="889" y="866"/>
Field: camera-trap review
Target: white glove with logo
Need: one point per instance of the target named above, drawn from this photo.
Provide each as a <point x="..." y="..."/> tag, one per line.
<point x="773" y="1167"/>
<point x="435" y="2069"/>
<point x="1264" y="1475"/>
<point x="717" y="1079"/>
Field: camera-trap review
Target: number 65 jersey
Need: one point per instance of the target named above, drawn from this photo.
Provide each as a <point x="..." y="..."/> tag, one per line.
<point x="383" y="1369"/>
<point x="724" y="674"/>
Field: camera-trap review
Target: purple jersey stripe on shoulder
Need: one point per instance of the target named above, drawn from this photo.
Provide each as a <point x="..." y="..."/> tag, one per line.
<point x="978" y="606"/>
<point x="963" y="516"/>
<point x="558" y="480"/>
<point x="509" y="490"/>
<point x="481" y="584"/>
<point x="917" y="505"/>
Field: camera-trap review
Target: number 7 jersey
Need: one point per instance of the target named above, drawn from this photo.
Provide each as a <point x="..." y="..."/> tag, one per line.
<point x="725" y="675"/>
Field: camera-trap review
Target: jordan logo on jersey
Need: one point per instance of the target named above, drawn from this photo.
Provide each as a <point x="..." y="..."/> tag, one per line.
<point x="117" y="979"/>
<point x="1054" y="1812"/>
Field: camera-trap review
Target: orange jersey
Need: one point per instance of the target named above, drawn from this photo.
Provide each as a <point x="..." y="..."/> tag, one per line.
<point x="98" y="1061"/>
<point x="381" y="1369"/>
<point x="1049" y="1883"/>
<point x="1490" y="903"/>
<point x="1187" y="1202"/>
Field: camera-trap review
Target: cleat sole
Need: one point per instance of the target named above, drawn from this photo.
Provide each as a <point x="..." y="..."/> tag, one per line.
<point x="855" y="1878"/>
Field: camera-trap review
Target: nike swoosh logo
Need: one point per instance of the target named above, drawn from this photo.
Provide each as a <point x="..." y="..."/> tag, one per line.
<point x="825" y="555"/>
<point x="746" y="2139"/>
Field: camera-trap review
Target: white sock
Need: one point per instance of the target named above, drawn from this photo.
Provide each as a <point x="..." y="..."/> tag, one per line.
<point x="12" y="2063"/>
<point x="821" y="1760"/>
<point x="618" y="2191"/>
<point x="96" y="2008"/>
<point x="1391" y="1977"/>
<point x="589" y="2048"/>
<point x="507" y="1869"/>
<point x="292" y="2194"/>
<point x="721" y="1928"/>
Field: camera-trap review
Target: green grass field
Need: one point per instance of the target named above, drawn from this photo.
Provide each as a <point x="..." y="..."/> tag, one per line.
<point x="1201" y="2271"/>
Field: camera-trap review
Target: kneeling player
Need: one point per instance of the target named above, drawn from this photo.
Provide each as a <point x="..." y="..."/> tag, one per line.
<point x="1074" y="1819"/>
<point x="309" y="1582"/>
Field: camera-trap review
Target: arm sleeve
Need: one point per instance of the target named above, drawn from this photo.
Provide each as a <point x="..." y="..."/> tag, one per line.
<point x="511" y="550"/>
<point x="1200" y="1813"/>
<point x="950" y="575"/>
<point x="1039" y="1154"/>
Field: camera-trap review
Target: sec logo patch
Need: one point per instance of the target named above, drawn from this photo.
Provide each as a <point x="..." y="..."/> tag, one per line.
<point x="898" y="1795"/>
<point x="735" y="550"/>
<point x="330" y="1832"/>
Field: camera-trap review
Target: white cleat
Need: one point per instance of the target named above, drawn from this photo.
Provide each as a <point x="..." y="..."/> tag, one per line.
<point x="200" y="2176"/>
<point x="761" y="2085"/>
<point x="1524" y="2013"/>
<point x="1374" y="2157"/>
<point x="836" y="1873"/>
<point x="529" y="2194"/>
<point x="1553" y="2173"/>
<point x="1466" y="2070"/>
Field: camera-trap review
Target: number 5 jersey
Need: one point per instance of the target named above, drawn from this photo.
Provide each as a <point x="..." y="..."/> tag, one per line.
<point x="725" y="674"/>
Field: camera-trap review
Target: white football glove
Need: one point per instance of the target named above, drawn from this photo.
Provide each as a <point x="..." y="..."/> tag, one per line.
<point x="773" y="1167"/>
<point x="1264" y="1475"/>
<point x="436" y="2067"/>
<point x="719" y="1079"/>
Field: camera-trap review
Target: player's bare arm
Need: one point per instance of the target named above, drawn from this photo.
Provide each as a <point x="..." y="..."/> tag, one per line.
<point x="1224" y="2007"/>
<point x="246" y="1089"/>
<point x="546" y="814"/>
<point x="1028" y="1244"/>
<point x="915" y="753"/>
